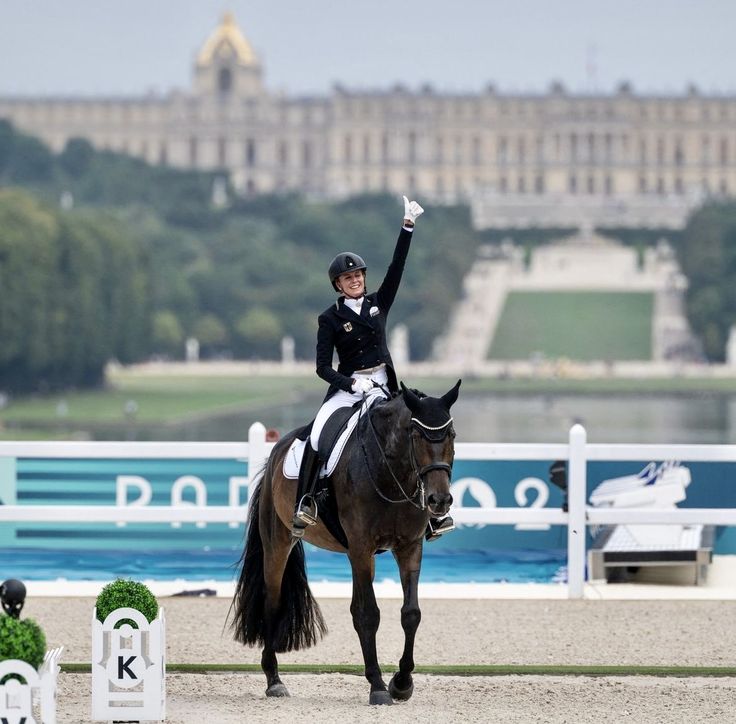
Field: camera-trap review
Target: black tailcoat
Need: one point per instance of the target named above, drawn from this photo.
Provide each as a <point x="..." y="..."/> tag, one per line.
<point x="360" y="339"/>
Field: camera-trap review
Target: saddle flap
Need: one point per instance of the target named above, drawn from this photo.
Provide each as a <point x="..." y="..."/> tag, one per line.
<point x="333" y="428"/>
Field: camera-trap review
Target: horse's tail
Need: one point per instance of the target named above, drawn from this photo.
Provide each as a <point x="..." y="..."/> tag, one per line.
<point x="297" y="623"/>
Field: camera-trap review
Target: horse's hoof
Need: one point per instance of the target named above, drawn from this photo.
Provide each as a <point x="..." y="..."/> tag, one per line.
<point x="277" y="690"/>
<point x="399" y="694"/>
<point x="380" y="697"/>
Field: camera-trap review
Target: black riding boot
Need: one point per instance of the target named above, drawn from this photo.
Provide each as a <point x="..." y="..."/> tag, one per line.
<point x="305" y="512"/>
<point x="437" y="527"/>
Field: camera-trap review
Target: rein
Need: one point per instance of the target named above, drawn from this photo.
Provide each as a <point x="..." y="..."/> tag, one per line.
<point x="429" y="433"/>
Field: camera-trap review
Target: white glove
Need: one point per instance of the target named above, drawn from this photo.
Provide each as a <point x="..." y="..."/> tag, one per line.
<point x="412" y="210"/>
<point x="362" y="386"/>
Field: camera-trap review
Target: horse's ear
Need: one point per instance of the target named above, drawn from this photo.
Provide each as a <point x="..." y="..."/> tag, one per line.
<point x="412" y="401"/>
<point x="449" y="398"/>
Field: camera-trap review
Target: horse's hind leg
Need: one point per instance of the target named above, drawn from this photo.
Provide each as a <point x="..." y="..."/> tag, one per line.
<point x="366" y="618"/>
<point x="277" y="547"/>
<point x="401" y="686"/>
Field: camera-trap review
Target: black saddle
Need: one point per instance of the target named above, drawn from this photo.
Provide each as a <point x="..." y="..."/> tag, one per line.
<point x="325" y="495"/>
<point x="334" y="427"/>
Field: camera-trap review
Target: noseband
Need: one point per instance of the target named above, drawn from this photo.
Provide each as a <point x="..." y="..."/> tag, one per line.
<point x="431" y="434"/>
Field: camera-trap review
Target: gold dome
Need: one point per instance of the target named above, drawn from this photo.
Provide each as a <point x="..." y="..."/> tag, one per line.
<point x="227" y="34"/>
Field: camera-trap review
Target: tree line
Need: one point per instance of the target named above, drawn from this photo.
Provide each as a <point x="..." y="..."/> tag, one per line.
<point x="103" y="256"/>
<point x="707" y="254"/>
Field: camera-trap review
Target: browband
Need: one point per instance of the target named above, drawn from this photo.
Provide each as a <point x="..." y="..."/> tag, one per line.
<point x="428" y="427"/>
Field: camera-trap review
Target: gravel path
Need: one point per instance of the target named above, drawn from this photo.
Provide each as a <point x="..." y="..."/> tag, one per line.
<point x="671" y="632"/>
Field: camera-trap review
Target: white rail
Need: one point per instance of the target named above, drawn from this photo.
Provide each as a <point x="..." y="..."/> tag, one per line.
<point x="577" y="453"/>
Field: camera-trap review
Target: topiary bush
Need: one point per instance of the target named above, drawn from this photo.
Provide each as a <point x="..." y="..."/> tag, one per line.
<point x="22" y="639"/>
<point x="126" y="594"/>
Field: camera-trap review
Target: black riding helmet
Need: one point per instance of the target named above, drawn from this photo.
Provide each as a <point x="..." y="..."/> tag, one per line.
<point x="344" y="262"/>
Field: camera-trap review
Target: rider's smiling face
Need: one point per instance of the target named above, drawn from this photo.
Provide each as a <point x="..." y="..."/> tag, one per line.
<point x="352" y="284"/>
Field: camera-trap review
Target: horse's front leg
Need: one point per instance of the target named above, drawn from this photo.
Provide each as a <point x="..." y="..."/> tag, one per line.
<point x="409" y="559"/>
<point x="366" y="618"/>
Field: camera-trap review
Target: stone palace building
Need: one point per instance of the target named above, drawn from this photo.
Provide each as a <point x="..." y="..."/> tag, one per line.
<point x="553" y="158"/>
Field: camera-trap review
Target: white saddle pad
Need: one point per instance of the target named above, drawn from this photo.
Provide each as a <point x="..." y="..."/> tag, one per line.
<point x="293" y="458"/>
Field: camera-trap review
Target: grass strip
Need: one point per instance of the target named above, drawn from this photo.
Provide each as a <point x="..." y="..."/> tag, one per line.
<point x="448" y="669"/>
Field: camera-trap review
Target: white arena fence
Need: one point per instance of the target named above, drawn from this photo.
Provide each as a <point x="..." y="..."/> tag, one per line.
<point x="577" y="452"/>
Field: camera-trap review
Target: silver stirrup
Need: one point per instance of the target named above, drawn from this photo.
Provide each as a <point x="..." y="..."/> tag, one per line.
<point x="307" y="511"/>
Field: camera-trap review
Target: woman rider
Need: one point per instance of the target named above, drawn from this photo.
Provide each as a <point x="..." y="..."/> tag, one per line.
<point x="355" y="327"/>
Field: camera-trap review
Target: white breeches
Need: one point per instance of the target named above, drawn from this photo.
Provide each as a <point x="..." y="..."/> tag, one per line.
<point x="345" y="399"/>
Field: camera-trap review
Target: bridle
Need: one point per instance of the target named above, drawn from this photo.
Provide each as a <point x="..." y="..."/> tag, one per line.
<point x="432" y="434"/>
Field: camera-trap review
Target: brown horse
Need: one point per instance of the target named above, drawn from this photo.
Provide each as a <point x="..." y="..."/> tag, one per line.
<point x="394" y="473"/>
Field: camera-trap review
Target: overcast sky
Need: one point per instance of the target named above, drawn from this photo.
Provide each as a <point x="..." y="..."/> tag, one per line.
<point x="130" y="47"/>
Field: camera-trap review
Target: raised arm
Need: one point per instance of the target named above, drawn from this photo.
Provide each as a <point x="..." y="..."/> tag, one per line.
<point x="390" y="284"/>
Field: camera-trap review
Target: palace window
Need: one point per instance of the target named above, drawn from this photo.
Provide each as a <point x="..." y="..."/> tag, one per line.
<point x="306" y="154"/>
<point x="679" y="186"/>
<point x="192" y="151"/>
<point x="679" y="153"/>
<point x="439" y="150"/>
<point x="660" y="150"/>
<point x="412" y="143"/>
<point x="591" y="184"/>
<point x="625" y="144"/>
<point x="572" y="184"/>
<point x="608" y="185"/>
<point x="723" y="152"/>
<point x="348" y="149"/>
<point x="539" y="184"/>
<point x="250" y="152"/>
<point x="477" y="151"/>
<point x="540" y="148"/>
<point x="225" y="80"/>
<point x="503" y="150"/>
<point x="221" y="151"/>
<point x="283" y="153"/>
<point x="705" y="149"/>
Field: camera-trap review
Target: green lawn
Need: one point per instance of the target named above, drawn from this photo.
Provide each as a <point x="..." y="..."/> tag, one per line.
<point x="581" y="326"/>
<point x="162" y="399"/>
<point x="157" y="399"/>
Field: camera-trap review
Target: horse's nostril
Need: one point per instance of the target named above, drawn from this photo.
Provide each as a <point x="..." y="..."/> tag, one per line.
<point x="437" y="499"/>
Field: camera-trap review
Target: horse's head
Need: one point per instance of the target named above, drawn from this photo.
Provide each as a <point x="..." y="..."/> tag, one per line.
<point x="432" y="446"/>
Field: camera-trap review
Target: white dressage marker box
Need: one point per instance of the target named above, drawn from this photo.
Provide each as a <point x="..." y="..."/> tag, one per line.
<point x="128" y="667"/>
<point x="17" y="699"/>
